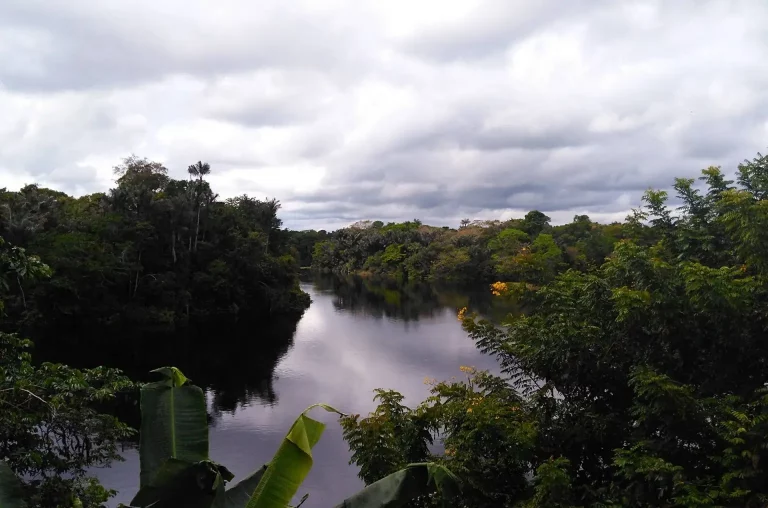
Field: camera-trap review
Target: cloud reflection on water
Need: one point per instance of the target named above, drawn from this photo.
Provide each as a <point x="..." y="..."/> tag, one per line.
<point x="340" y="354"/>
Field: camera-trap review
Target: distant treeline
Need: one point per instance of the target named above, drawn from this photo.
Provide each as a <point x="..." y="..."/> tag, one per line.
<point x="528" y="249"/>
<point x="151" y="251"/>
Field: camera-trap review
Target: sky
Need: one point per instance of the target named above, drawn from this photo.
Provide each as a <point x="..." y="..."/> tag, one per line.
<point x="392" y="110"/>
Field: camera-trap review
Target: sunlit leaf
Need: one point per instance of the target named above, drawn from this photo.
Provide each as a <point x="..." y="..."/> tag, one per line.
<point x="291" y="463"/>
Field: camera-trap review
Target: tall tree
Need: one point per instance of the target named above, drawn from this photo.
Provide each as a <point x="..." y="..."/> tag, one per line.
<point x="198" y="170"/>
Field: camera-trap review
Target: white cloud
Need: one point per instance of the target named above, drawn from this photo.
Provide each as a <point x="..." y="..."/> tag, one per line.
<point x="392" y="110"/>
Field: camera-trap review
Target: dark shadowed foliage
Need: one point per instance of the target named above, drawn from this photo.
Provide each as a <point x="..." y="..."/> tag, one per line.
<point x="152" y="252"/>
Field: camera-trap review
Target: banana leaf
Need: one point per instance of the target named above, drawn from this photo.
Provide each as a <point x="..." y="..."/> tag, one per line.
<point x="11" y="495"/>
<point x="402" y="486"/>
<point x="291" y="463"/>
<point x="174" y="423"/>
<point x="180" y="483"/>
<point x="238" y="495"/>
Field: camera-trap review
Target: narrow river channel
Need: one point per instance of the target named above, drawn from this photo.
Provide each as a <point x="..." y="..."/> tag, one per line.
<point x="349" y="342"/>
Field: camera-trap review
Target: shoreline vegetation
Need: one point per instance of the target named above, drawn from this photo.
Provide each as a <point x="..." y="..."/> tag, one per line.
<point x="150" y="252"/>
<point x="636" y="380"/>
<point x="481" y="251"/>
<point x="636" y="376"/>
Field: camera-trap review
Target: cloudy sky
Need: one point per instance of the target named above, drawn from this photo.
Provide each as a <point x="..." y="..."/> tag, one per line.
<point x="392" y="109"/>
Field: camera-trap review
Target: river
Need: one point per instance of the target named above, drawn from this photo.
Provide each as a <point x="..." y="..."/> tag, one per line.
<point x="353" y="338"/>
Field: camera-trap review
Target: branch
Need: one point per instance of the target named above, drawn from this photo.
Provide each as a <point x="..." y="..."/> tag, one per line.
<point x="33" y="395"/>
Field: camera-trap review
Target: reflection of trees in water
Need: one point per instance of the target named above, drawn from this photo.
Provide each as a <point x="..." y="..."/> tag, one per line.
<point x="248" y="373"/>
<point x="234" y="362"/>
<point x="409" y="302"/>
<point x="380" y="299"/>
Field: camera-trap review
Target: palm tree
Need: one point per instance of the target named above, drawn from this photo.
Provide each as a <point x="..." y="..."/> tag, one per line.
<point x="198" y="170"/>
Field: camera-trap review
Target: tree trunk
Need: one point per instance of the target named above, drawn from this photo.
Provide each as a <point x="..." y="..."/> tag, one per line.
<point x="197" y="228"/>
<point x="173" y="246"/>
<point x="23" y="297"/>
<point x="136" y="283"/>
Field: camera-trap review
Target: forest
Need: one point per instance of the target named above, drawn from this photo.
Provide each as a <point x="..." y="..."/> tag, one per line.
<point x="527" y="249"/>
<point x="637" y="375"/>
<point x="152" y="251"/>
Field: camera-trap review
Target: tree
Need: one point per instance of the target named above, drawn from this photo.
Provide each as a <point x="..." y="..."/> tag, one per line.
<point x="505" y="247"/>
<point x="53" y="426"/>
<point x="480" y="250"/>
<point x="198" y="170"/>
<point x="546" y="257"/>
<point x="138" y="180"/>
<point x="487" y="438"/>
<point x="753" y="176"/>
<point x="26" y="213"/>
<point x="508" y="241"/>
<point x="152" y="251"/>
<point x="640" y="382"/>
<point x="656" y="209"/>
<point x="535" y="222"/>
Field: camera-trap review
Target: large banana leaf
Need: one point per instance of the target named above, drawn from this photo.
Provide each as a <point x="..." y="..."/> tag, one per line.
<point x="10" y="488"/>
<point x="174" y="423"/>
<point x="291" y="463"/>
<point x="404" y="485"/>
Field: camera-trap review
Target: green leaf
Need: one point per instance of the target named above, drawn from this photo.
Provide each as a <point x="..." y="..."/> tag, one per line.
<point x="175" y="375"/>
<point x="174" y="423"/>
<point x="402" y="486"/>
<point x="180" y="483"/>
<point x="291" y="463"/>
<point x="239" y="495"/>
<point x="11" y="494"/>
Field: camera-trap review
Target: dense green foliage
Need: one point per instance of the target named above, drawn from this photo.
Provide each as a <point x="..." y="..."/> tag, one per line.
<point x="151" y="251"/>
<point x="55" y="421"/>
<point x="527" y="249"/>
<point x="637" y="377"/>
<point x="639" y="382"/>
<point x="302" y="243"/>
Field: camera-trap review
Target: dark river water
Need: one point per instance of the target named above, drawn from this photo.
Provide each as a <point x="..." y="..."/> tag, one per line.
<point x="354" y="338"/>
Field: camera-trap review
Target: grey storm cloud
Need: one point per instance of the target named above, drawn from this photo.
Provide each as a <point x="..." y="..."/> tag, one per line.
<point x="387" y="110"/>
<point x="488" y="29"/>
<point x="88" y="44"/>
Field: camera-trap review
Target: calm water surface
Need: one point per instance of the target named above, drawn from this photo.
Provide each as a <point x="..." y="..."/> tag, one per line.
<point x="353" y="339"/>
